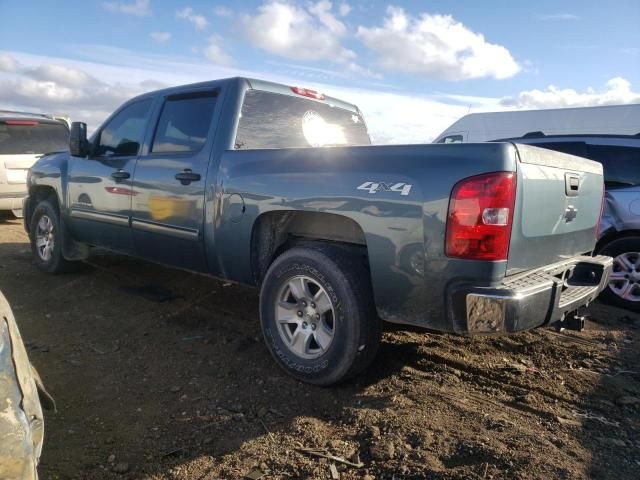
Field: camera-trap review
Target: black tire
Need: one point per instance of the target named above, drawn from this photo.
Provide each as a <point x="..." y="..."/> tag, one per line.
<point x="614" y="249"/>
<point x="342" y="273"/>
<point x="55" y="262"/>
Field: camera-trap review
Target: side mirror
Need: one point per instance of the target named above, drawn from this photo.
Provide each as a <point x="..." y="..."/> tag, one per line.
<point x="78" y="144"/>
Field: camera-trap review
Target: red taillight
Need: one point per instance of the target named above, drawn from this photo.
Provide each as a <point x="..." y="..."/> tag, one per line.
<point x="305" y="92"/>
<point x="480" y="217"/>
<point x="21" y="122"/>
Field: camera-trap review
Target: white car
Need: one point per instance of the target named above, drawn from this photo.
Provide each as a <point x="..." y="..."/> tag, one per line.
<point x="25" y="137"/>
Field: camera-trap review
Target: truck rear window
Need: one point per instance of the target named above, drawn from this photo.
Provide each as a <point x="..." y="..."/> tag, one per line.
<point x="273" y="120"/>
<point x="27" y="137"/>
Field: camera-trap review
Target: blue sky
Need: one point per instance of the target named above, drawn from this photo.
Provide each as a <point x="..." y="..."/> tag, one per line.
<point x="412" y="66"/>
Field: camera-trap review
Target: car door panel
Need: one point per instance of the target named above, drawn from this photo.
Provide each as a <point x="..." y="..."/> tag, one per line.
<point x="100" y="186"/>
<point x="168" y="208"/>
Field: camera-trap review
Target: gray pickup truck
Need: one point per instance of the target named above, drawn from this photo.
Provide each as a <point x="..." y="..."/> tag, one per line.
<point x="232" y="178"/>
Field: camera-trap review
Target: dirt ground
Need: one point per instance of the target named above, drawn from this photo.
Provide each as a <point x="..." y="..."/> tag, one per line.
<point x="161" y="374"/>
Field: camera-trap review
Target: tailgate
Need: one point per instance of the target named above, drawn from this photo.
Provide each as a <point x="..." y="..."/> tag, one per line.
<point x="558" y="203"/>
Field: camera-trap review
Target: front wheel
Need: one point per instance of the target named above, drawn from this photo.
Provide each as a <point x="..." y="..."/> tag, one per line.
<point x="46" y="239"/>
<point x="318" y="315"/>
<point x="623" y="289"/>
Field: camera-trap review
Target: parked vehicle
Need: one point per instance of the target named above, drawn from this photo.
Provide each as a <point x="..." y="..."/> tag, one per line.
<point x="21" y="419"/>
<point x="225" y="178"/>
<point x="619" y="232"/>
<point x="485" y="127"/>
<point x="25" y="137"/>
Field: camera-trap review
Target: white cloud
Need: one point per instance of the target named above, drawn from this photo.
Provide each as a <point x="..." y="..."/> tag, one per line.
<point x="61" y="75"/>
<point x="222" y="11"/>
<point x="215" y="53"/>
<point x="391" y="117"/>
<point x="197" y="20"/>
<point x="60" y="88"/>
<point x="161" y="37"/>
<point x="7" y="63"/>
<point x="558" y="16"/>
<point x="617" y="91"/>
<point x="138" y="7"/>
<point x="291" y="31"/>
<point x="344" y="9"/>
<point x="436" y="46"/>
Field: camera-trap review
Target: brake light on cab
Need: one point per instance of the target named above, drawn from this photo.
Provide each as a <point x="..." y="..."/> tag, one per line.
<point x="305" y="92"/>
<point x="481" y="216"/>
<point x="30" y="123"/>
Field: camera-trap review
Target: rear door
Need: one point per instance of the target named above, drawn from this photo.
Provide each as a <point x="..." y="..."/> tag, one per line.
<point x="168" y="208"/>
<point x="558" y="203"/>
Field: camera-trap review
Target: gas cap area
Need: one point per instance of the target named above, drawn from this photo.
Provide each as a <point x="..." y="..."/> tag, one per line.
<point x="634" y="208"/>
<point x="235" y="207"/>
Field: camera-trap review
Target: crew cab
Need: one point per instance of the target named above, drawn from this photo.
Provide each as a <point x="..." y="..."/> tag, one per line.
<point x="279" y="187"/>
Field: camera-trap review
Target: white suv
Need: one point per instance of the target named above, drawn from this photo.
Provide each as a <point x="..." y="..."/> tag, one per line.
<point x="25" y="137"/>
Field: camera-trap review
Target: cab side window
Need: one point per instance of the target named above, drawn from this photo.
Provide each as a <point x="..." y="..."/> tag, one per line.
<point x="124" y="133"/>
<point x="184" y="123"/>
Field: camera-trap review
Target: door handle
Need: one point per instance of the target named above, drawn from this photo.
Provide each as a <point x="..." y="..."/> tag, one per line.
<point x="120" y="175"/>
<point x="187" y="176"/>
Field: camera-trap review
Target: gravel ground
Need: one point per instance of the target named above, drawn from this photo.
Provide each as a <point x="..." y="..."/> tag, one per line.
<point x="161" y="374"/>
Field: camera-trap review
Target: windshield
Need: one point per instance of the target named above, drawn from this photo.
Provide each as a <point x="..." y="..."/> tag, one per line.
<point x="32" y="137"/>
<point x="273" y="120"/>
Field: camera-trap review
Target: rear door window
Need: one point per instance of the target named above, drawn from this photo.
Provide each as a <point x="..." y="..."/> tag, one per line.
<point x="184" y="123"/>
<point x="23" y="137"/>
<point x="621" y="164"/>
<point x="273" y="120"/>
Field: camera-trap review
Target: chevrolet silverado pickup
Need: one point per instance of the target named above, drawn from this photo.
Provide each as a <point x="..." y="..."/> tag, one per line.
<point x="279" y="187"/>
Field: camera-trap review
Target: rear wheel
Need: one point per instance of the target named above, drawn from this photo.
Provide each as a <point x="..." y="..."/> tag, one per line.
<point x="318" y="315"/>
<point x="46" y="241"/>
<point x="623" y="289"/>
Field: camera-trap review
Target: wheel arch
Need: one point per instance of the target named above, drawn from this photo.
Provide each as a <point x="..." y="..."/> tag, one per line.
<point x="71" y="250"/>
<point x="276" y="231"/>
<point x="612" y="235"/>
<point x="38" y="193"/>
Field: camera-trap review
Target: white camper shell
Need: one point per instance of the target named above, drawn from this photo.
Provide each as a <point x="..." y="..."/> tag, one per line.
<point x="486" y="127"/>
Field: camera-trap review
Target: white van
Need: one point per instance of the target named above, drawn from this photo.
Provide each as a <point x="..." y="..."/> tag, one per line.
<point x="485" y="127"/>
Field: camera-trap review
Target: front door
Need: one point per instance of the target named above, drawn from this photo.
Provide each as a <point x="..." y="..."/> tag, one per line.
<point x="168" y="208"/>
<point x="100" y="186"/>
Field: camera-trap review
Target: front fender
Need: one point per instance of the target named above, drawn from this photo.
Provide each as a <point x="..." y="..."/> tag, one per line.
<point x="50" y="172"/>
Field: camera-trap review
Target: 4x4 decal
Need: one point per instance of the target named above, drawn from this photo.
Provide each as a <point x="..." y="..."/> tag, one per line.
<point x="375" y="187"/>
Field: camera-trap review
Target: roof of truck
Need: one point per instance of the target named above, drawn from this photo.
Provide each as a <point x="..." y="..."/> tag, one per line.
<point x="257" y="84"/>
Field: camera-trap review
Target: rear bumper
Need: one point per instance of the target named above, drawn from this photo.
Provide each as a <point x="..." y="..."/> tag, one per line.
<point x="529" y="300"/>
